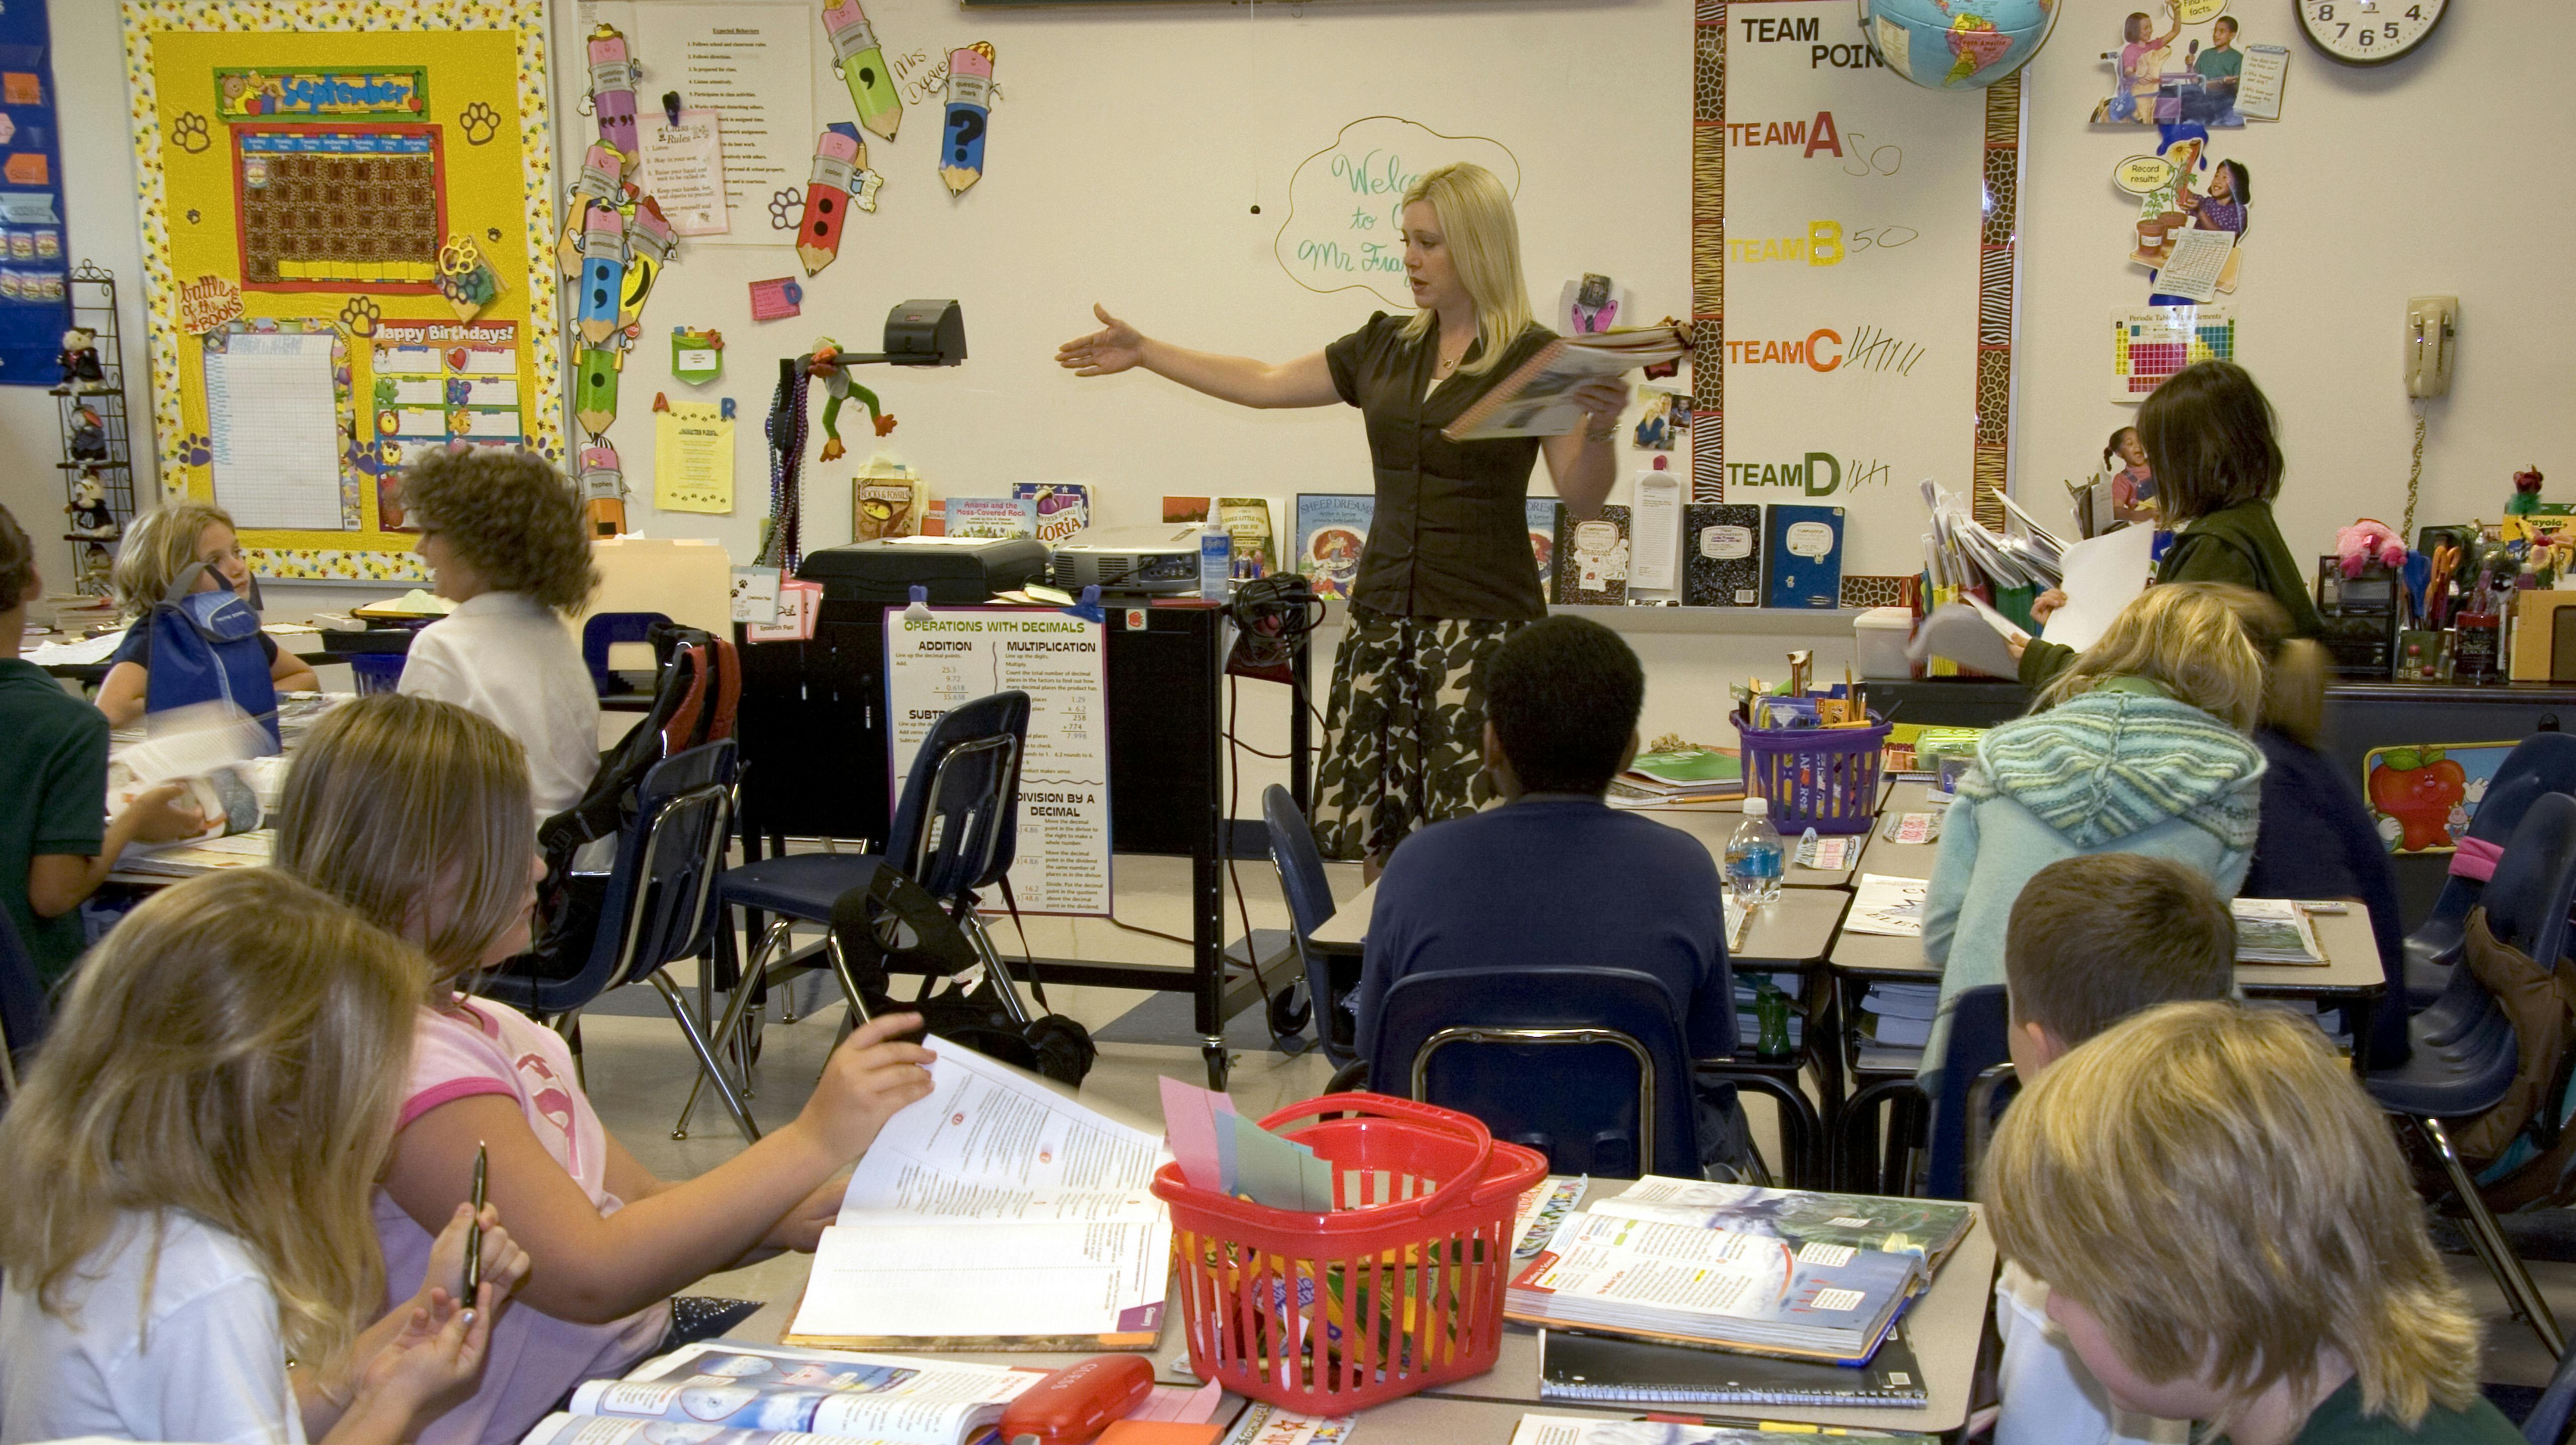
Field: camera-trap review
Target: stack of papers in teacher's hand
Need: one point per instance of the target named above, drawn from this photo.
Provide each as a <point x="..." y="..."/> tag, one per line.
<point x="718" y="1393"/>
<point x="1538" y="399"/>
<point x="1751" y="1289"/>
<point x="1612" y="1430"/>
<point x="1696" y="775"/>
<point x="995" y="1214"/>
<point x="2274" y="930"/>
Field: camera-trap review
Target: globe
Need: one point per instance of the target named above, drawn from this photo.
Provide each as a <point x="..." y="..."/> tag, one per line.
<point x="1956" y="44"/>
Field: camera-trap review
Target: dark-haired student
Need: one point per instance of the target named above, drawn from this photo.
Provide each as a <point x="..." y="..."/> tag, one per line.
<point x="2209" y="435"/>
<point x="1554" y="877"/>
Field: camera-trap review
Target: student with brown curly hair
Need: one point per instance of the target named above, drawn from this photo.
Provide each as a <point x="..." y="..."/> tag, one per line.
<point x="503" y="535"/>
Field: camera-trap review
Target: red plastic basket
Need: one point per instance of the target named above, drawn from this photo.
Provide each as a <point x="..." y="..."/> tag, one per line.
<point x="1820" y="778"/>
<point x="1399" y="1288"/>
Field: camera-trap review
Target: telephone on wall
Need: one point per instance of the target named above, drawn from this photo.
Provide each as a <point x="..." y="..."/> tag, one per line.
<point x="2432" y="332"/>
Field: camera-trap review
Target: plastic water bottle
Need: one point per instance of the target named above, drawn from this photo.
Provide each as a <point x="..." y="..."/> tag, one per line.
<point x="1753" y="856"/>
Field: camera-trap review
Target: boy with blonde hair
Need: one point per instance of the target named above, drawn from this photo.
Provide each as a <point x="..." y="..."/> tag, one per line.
<point x="2091" y="941"/>
<point x="2229" y="1234"/>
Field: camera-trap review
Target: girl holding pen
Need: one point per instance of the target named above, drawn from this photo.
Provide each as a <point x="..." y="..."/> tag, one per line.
<point x="1447" y="572"/>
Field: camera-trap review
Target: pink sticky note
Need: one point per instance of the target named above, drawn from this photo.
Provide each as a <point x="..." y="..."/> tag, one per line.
<point x="776" y="300"/>
<point x="1189" y="1124"/>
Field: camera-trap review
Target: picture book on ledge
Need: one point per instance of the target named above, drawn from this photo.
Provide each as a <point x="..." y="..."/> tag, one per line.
<point x="1332" y="530"/>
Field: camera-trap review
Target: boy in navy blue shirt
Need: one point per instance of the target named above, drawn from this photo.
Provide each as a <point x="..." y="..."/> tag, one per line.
<point x="1554" y="877"/>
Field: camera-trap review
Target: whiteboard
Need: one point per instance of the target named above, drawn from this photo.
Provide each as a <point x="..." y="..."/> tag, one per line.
<point x="1125" y="151"/>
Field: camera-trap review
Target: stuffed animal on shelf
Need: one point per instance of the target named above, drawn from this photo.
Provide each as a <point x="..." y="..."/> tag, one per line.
<point x="2526" y="493"/>
<point x="2368" y="541"/>
<point x="79" y="362"/>
<point x="89" y="437"/>
<point x="89" y="511"/>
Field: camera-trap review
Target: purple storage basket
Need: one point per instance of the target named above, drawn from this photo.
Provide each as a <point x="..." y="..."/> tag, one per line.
<point x="1820" y="778"/>
<point x="376" y="671"/>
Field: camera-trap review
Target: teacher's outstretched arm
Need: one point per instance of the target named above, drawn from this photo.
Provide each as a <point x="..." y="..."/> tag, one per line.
<point x="1117" y="347"/>
<point x="1584" y="462"/>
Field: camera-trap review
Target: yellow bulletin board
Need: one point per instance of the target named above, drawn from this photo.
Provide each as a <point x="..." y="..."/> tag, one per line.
<point x="327" y="187"/>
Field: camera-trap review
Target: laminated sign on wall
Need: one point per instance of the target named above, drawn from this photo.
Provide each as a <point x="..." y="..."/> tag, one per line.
<point x="957" y="654"/>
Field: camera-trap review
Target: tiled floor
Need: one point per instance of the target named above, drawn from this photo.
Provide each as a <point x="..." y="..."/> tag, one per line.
<point x="639" y="1070"/>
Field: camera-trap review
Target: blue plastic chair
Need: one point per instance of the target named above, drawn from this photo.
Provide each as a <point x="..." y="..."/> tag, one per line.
<point x="955" y="830"/>
<point x="25" y="1012"/>
<point x="605" y="630"/>
<point x="659" y="907"/>
<point x="2540" y="764"/>
<point x="2470" y="1072"/>
<point x="2547" y="1422"/>
<point x="1310" y="907"/>
<point x="1961" y="1112"/>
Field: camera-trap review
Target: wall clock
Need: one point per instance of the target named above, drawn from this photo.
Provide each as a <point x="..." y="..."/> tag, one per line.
<point x="2369" y="32"/>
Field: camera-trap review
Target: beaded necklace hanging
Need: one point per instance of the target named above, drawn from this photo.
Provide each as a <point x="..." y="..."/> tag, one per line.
<point x="780" y="543"/>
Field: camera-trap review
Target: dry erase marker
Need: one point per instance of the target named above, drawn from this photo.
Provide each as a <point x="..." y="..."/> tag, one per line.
<point x="649" y="239"/>
<point x="603" y="272"/>
<point x="970" y="98"/>
<point x="861" y="61"/>
<point x="612" y="88"/>
<point x="838" y="155"/>
<point x="474" y="1226"/>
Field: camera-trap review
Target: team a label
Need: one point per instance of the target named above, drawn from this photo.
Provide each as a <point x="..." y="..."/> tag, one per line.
<point x="1809" y="31"/>
<point x="1814" y="136"/>
<point x="1818" y="474"/>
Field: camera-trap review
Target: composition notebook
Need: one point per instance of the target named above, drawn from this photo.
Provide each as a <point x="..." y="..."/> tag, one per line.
<point x="1574" y="1366"/>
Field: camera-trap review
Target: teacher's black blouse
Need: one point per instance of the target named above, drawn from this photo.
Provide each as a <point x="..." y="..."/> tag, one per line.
<point x="1450" y="535"/>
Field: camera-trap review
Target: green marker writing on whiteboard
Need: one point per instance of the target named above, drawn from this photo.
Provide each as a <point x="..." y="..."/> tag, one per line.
<point x="861" y="61"/>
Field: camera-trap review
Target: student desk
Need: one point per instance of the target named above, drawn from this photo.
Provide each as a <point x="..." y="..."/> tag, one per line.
<point x="1901" y="860"/>
<point x="1789" y="934"/>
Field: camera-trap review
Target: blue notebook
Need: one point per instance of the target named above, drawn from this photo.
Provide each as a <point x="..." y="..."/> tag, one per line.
<point x="1802" y="556"/>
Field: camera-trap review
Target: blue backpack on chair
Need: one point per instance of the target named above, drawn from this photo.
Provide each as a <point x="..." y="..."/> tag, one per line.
<point x="205" y="648"/>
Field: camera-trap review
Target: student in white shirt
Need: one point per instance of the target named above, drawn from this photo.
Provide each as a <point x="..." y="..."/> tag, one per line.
<point x="2092" y="940"/>
<point x="505" y="540"/>
<point x="191" y="1162"/>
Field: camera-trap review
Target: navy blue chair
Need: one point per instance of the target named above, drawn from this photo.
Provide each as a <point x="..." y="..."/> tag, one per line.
<point x="2547" y="1422"/>
<point x="1954" y="1119"/>
<point x="1589" y="1066"/>
<point x="2540" y="764"/>
<point x="1310" y="906"/>
<point x="25" y="1013"/>
<point x="955" y="830"/>
<point x="605" y="630"/>
<point x="659" y="906"/>
<point x="2470" y="1071"/>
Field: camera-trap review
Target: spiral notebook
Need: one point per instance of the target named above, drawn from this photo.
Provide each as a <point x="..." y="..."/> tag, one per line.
<point x="1575" y="1366"/>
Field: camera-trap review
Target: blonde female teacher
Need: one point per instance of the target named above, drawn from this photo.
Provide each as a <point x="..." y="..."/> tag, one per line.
<point x="1447" y="573"/>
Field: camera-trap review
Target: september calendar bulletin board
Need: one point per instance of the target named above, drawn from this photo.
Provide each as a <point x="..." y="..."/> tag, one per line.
<point x="343" y="208"/>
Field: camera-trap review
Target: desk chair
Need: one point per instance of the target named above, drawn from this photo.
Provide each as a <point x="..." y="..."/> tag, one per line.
<point x="2548" y="1420"/>
<point x="659" y="906"/>
<point x="2526" y="904"/>
<point x="1954" y="1120"/>
<point x="1310" y="906"/>
<point x="1589" y="1066"/>
<point x="25" y="1013"/>
<point x="2539" y="765"/>
<point x="955" y="830"/>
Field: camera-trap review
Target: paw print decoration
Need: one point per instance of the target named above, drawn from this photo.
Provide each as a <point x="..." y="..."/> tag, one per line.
<point x="786" y="209"/>
<point x="197" y="451"/>
<point x="188" y="133"/>
<point x="359" y="317"/>
<point x="480" y="123"/>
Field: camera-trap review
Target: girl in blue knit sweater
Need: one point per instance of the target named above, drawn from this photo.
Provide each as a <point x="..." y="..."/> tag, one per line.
<point x="2142" y="746"/>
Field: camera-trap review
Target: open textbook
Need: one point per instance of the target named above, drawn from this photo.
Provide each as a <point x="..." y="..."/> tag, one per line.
<point x="1538" y="399"/>
<point x="994" y="1214"/>
<point x="718" y="1393"/>
<point x="1611" y="1430"/>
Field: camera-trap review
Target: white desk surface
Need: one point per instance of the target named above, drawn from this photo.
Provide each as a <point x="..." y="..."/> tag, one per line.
<point x="1797" y="929"/>
<point x="2351" y="966"/>
<point x="1901" y="860"/>
<point x="1945" y="1328"/>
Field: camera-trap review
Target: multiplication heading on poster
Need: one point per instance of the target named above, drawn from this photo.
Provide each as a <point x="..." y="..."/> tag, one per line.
<point x="957" y="654"/>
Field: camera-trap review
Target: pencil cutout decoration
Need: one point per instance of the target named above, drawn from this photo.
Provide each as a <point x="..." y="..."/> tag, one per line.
<point x="603" y="490"/>
<point x="612" y="89"/>
<point x="970" y="92"/>
<point x="603" y="273"/>
<point x="595" y="396"/>
<point x="649" y="239"/>
<point x="861" y="61"/>
<point x="838" y="155"/>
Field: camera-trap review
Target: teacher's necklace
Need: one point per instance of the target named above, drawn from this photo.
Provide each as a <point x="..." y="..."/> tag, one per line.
<point x="1442" y="365"/>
